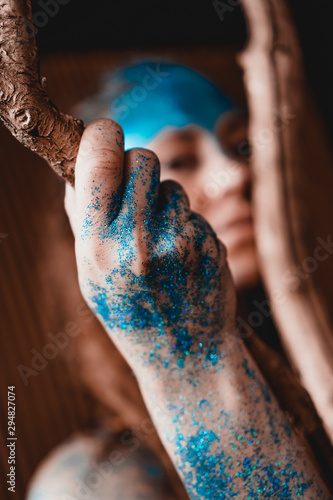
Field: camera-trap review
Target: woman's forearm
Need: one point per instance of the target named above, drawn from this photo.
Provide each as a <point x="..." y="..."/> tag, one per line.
<point x="225" y="432"/>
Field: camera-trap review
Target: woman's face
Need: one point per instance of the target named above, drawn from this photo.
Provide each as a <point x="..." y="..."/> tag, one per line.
<point x="216" y="177"/>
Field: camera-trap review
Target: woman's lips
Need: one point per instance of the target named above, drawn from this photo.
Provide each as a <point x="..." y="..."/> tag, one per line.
<point x="236" y="231"/>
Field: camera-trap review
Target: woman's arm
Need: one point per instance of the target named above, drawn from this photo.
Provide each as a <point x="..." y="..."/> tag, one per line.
<point x="225" y="432"/>
<point x="157" y="278"/>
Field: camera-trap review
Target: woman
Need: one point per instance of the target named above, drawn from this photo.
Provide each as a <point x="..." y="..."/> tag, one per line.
<point x="156" y="275"/>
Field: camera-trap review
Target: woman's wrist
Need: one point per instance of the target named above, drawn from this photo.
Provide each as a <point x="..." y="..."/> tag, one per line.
<point x="208" y="358"/>
<point x="187" y="353"/>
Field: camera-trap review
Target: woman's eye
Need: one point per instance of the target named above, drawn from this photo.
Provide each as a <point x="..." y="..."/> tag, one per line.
<point x="240" y="149"/>
<point x="232" y="132"/>
<point x="183" y="162"/>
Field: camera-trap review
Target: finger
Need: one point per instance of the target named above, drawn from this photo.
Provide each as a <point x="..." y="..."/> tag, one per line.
<point x="201" y="225"/>
<point x="98" y="178"/>
<point x="70" y="206"/>
<point x="173" y="204"/>
<point x="141" y="181"/>
<point x="173" y="212"/>
<point x="206" y="239"/>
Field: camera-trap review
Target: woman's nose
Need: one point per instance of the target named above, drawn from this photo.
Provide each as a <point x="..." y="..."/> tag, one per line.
<point x="238" y="177"/>
<point x="217" y="178"/>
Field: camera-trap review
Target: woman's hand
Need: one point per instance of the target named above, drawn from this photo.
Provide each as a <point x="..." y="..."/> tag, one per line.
<point x="157" y="278"/>
<point x="152" y="271"/>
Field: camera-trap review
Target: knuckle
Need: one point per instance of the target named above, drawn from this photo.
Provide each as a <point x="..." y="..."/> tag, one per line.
<point x="106" y="124"/>
<point x="104" y="133"/>
<point x="222" y="250"/>
<point x="190" y="231"/>
<point x="172" y="193"/>
<point x="103" y="159"/>
<point x="115" y="126"/>
<point x="148" y="155"/>
<point x="171" y="185"/>
<point x="96" y="169"/>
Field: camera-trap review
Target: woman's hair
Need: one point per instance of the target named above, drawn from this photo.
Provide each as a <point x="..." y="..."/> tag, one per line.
<point x="148" y="96"/>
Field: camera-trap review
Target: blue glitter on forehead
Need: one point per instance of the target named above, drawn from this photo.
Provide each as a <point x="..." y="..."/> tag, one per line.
<point x="160" y="95"/>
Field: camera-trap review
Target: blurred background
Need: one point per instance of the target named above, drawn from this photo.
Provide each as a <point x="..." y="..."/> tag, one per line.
<point x="79" y="41"/>
<point x="81" y="26"/>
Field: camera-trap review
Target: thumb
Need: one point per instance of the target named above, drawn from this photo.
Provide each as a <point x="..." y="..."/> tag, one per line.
<point x="98" y="179"/>
<point x="70" y="206"/>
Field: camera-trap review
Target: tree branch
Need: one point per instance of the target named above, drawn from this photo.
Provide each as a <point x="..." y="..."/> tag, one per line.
<point x="24" y="106"/>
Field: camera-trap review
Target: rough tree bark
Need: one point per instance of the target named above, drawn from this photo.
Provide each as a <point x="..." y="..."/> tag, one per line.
<point x="293" y="146"/>
<point x="24" y="106"/>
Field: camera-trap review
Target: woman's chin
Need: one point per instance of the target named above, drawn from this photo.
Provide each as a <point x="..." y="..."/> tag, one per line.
<point x="237" y="235"/>
<point x="244" y="266"/>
